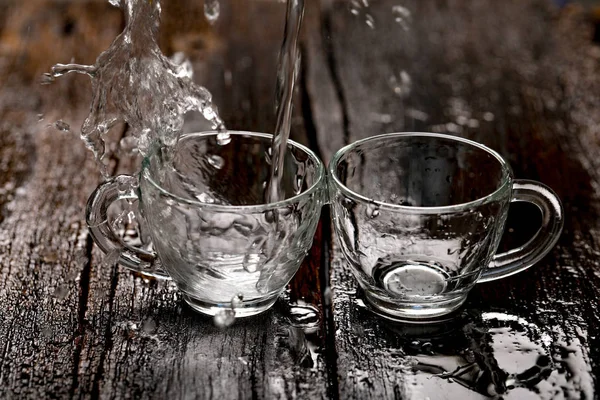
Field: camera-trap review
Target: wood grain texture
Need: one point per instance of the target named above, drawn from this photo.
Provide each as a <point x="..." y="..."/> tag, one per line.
<point x="510" y="75"/>
<point x="520" y="76"/>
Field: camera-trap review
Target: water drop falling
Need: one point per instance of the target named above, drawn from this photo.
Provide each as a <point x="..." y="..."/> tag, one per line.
<point x="224" y="318"/>
<point x="402" y="15"/>
<point x="370" y="21"/>
<point x="212" y="10"/>
<point x="372" y="210"/>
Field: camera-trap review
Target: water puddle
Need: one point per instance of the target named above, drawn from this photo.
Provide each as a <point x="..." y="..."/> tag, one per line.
<point x="495" y="355"/>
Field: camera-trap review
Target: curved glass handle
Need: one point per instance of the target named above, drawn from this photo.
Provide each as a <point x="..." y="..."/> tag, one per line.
<point x="140" y="260"/>
<point x="521" y="258"/>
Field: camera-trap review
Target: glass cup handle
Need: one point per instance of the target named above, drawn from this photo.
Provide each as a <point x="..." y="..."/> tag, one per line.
<point x="521" y="258"/>
<point x="140" y="260"/>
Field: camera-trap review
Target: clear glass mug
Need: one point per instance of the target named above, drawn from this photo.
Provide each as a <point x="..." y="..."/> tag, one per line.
<point x="419" y="217"/>
<point x="211" y="230"/>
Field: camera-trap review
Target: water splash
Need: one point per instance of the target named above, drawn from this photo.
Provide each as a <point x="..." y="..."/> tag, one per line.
<point x="133" y="82"/>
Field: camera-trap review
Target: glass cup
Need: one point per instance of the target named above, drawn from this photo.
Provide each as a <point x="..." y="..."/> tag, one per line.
<point x="212" y="232"/>
<point x="419" y="217"/>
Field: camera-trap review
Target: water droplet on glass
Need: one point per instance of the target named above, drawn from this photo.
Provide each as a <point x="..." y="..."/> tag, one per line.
<point x="402" y="16"/>
<point x="237" y="301"/>
<point x="224" y="318"/>
<point x="372" y="210"/>
<point x="216" y="161"/>
<point x="253" y="262"/>
<point x="212" y="9"/>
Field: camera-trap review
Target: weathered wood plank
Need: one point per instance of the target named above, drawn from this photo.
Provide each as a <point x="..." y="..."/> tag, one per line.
<point x="521" y="77"/>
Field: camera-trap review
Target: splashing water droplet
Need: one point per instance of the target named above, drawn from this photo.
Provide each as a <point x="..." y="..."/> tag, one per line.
<point x="216" y="161"/>
<point x="372" y="210"/>
<point x="120" y="80"/>
<point x="224" y="318"/>
<point x="116" y="3"/>
<point x="212" y="10"/>
<point x="370" y="21"/>
<point x="403" y="16"/>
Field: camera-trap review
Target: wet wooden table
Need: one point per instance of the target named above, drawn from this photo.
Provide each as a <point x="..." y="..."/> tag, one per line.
<point x="521" y="76"/>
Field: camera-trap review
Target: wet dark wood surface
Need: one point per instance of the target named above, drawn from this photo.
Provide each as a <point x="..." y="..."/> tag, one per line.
<point x="521" y="76"/>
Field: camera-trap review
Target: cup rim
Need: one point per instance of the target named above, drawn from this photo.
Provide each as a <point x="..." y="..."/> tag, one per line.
<point x="320" y="171"/>
<point x="505" y="184"/>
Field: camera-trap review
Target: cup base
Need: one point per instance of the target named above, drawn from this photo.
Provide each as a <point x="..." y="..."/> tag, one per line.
<point x="416" y="313"/>
<point x="246" y="309"/>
